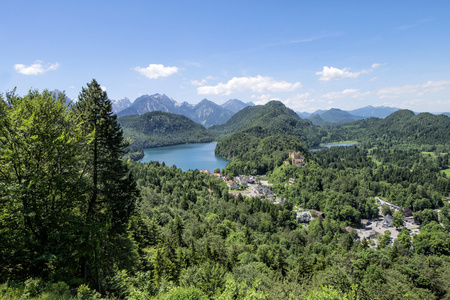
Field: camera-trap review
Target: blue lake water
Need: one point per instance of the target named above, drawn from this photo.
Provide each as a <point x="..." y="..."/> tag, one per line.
<point x="187" y="156"/>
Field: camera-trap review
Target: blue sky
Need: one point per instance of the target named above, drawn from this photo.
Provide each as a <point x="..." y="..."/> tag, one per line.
<point x="308" y="54"/>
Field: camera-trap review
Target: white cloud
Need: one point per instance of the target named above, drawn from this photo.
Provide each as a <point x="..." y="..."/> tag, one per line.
<point x="258" y="84"/>
<point x="103" y="88"/>
<point x="201" y="82"/>
<point x="35" y="69"/>
<point x="263" y="99"/>
<point x="344" y="93"/>
<point x="299" y="101"/>
<point x="154" y="71"/>
<point x="332" y="73"/>
<point x="419" y="89"/>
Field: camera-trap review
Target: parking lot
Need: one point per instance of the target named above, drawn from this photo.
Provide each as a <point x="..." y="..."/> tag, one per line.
<point x="376" y="227"/>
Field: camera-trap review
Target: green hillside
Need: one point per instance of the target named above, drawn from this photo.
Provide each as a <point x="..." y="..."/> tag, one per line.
<point x="157" y="129"/>
<point x="402" y="126"/>
<point x="274" y="118"/>
<point x="254" y="152"/>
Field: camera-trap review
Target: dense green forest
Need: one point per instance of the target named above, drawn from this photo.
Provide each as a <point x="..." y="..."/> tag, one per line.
<point x="79" y="221"/>
<point x="402" y="126"/>
<point x="157" y="129"/>
<point x="254" y="151"/>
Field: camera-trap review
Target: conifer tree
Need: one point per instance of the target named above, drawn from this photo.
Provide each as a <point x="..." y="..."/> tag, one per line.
<point x="111" y="192"/>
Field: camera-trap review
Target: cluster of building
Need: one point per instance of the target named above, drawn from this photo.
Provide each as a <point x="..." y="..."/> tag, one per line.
<point x="245" y="180"/>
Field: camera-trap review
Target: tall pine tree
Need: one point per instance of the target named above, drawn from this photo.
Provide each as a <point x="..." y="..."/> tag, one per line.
<point x="111" y="192"/>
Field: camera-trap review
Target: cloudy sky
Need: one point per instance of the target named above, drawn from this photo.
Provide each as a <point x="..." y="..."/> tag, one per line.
<point x="308" y="54"/>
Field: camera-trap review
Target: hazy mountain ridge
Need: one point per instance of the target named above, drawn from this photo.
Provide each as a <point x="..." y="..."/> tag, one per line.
<point x="236" y="105"/>
<point x="336" y="116"/>
<point x="371" y="111"/>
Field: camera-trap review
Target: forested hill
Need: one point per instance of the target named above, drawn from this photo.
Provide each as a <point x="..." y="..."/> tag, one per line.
<point x="402" y="126"/>
<point x="157" y="129"/>
<point x="253" y="151"/>
<point x="275" y="118"/>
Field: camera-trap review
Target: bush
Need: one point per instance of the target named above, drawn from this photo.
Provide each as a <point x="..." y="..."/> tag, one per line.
<point x="85" y="293"/>
<point x="60" y="288"/>
<point x="33" y="287"/>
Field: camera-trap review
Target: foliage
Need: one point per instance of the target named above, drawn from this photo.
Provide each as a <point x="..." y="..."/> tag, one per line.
<point x="254" y="153"/>
<point x="398" y="219"/>
<point x="66" y="196"/>
<point x="73" y="218"/>
<point x="157" y="129"/>
<point x="402" y="126"/>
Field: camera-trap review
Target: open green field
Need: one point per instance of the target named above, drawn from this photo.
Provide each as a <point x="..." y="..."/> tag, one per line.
<point x="432" y="154"/>
<point x="447" y="172"/>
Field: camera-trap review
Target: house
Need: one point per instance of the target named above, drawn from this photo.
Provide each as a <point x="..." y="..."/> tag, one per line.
<point x="387" y="222"/>
<point x="206" y="171"/>
<point x="232" y="185"/>
<point x="291" y="181"/>
<point x="407" y="212"/>
<point x="304" y="216"/>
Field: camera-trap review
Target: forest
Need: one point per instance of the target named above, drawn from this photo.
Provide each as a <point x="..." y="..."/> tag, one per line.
<point x="80" y="220"/>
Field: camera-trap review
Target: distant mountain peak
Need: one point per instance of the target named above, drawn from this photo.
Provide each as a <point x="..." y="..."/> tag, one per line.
<point x="236" y="105"/>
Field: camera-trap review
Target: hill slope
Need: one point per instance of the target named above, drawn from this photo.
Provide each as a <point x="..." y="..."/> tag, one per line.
<point x="274" y="118"/>
<point x="157" y="129"/>
<point x="402" y="126"/>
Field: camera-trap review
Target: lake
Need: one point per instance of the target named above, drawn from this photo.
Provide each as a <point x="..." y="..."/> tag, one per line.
<point x="324" y="146"/>
<point x="338" y="145"/>
<point x="187" y="156"/>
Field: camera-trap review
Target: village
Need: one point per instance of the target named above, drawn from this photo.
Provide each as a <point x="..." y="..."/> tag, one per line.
<point x="258" y="186"/>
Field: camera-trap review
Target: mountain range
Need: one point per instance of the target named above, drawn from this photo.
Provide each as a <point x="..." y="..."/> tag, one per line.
<point x="208" y="113"/>
<point x="335" y="116"/>
<point x="205" y="112"/>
